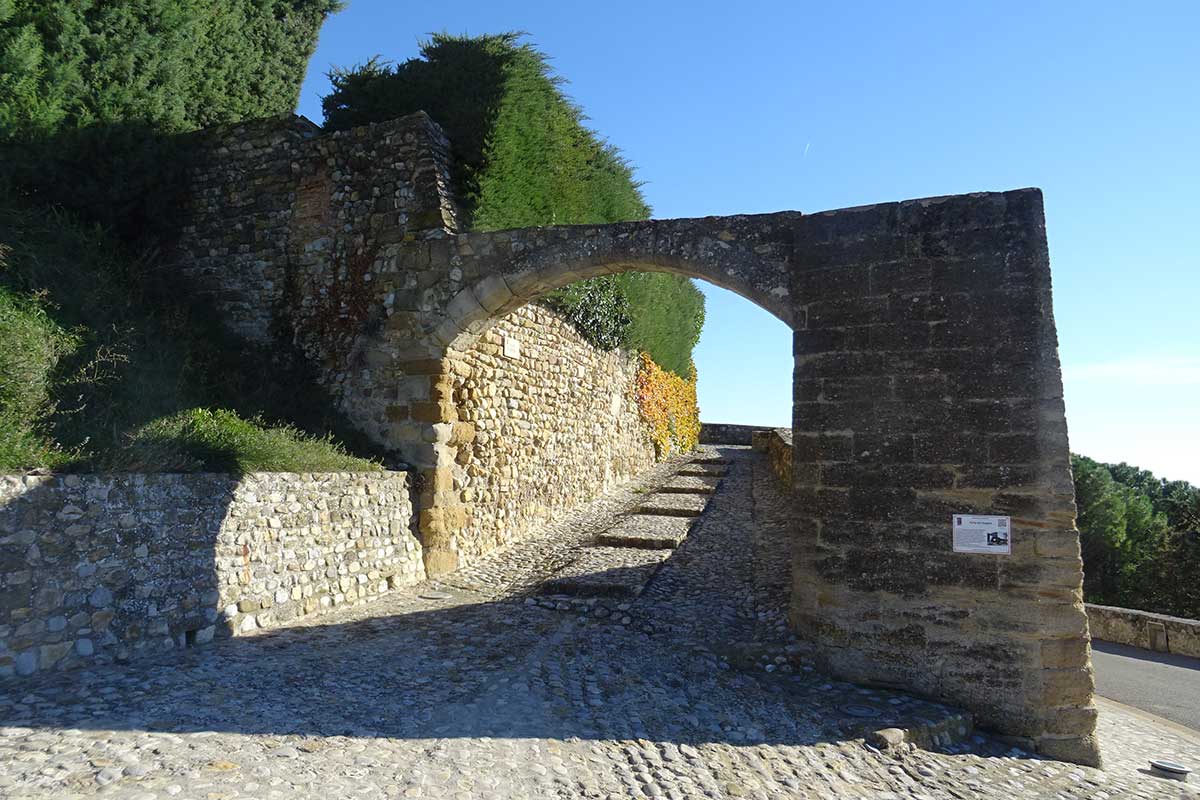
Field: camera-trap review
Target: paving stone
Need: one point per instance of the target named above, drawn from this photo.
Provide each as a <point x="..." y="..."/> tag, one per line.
<point x="607" y="572"/>
<point x="691" y="484"/>
<point x="704" y="470"/>
<point x="679" y="505"/>
<point x="647" y="530"/>
<point x="695" y="688"/>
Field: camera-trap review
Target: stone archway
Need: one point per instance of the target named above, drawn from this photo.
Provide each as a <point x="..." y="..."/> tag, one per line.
<point x="926" y="385"/>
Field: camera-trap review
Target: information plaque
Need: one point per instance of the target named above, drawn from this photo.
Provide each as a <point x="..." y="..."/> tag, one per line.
<point x="981" y="534"/>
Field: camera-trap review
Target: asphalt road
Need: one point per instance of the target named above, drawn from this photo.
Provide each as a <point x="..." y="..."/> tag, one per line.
<point x="1161" y="683"/>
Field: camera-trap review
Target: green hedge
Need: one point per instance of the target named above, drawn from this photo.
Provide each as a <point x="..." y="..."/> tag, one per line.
<point x="525" y="157"/>
<point x="91" y="90"/>
<point x="176" y="64"/>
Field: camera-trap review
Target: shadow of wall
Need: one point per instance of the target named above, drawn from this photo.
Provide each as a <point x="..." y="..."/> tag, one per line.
<point x="109" y="567"/>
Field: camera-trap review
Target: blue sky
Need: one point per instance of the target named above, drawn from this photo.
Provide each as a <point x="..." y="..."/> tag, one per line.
<point x="756" y="107"/>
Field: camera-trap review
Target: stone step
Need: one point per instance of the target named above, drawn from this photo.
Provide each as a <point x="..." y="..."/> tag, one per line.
<point x="710" y="460"/>
<point x="607" y="572"/>
<point x="674" y="505"/>
<point x="691" y="484"/>
<point x="647" y="530"/>
<point x="704" y="470"/>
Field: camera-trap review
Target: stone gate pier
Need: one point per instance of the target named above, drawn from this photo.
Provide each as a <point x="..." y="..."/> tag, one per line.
<point x="926" y="384"/>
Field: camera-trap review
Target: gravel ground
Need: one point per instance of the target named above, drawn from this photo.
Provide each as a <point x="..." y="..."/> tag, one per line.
<point x="477" y="686"/>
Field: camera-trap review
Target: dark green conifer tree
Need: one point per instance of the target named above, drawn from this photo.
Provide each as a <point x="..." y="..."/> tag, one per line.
<point x="525" y="157"/>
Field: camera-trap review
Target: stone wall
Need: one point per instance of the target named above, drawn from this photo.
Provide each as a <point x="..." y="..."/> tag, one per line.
<point x="927" y="385"/>
<point x="545" y="421"/>
<point x="297" y="238"/>
<point x="726" y="433"/>
<point x="1144" y="629"/>
<point x="777" y="444"/>
<point x="98" y="568"/>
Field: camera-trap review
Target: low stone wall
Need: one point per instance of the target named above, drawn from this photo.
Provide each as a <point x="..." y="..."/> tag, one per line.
<point x="1146" y="630"/>
<point x="100" y="568"/>
<point x="545" y="422"/>
<point x="725" y="433"/>
<point x="777" y="444"/>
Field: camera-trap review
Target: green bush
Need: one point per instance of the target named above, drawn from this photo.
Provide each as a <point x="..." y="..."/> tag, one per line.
<point x="200" y="440"/>
<point x="137" y="352"/>
<point x="174" y="64"/>
<point x="522" y="152"/>
<point x="524" y="157"/>
<point x="32" y="345"/>
<point x="91" y="90"/>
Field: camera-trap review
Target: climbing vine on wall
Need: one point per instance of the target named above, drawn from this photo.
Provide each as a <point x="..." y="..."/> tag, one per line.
<point x="668" y="404"/>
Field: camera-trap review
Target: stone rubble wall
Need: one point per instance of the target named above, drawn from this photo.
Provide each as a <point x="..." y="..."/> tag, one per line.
<point x="546" y="421"/>
<point x="726" y="433"/>
<point x="296" y="238"/>
<point x="1145" y="629"/>
<point x="777" y="444"/>
<point x="102" y="568"/>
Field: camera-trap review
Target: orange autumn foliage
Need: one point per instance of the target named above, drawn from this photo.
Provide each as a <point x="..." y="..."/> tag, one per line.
<point x="668" y="404"/>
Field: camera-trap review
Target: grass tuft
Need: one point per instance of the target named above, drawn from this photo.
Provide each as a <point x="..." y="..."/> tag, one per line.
<point x="203" y="440"/>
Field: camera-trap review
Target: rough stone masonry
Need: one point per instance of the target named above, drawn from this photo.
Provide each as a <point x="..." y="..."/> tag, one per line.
<point x="926" y="384"/>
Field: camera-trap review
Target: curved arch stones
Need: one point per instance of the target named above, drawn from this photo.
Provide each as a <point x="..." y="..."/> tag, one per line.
<point x="926" y="384"/>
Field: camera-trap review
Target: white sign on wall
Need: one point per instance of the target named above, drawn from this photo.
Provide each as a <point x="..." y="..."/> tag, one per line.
<point x="981" y="534"/>
<point x="512" y="347"/>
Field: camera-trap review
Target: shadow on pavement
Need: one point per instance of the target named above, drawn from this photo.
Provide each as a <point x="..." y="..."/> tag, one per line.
<point x="452" y="669"/>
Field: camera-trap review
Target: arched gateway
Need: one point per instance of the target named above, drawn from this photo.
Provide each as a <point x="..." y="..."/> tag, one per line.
<point x="927" y="384"/>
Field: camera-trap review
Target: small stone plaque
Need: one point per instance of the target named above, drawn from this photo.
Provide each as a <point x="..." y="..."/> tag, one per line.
<point x="512" y="347"/>
<point x="974" y="533"/>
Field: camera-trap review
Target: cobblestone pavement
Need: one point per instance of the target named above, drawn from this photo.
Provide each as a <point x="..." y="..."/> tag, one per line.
<point x="479" y="687"/>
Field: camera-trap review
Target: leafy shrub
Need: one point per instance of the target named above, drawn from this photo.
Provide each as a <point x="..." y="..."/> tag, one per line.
<point x="667" y="402"/>
<point x="599" y="309"/>
<point x="524" y="157"/>
<point x="32" y="345"/>
<point x="201" y="440"/>
<point x="137" y="351"/>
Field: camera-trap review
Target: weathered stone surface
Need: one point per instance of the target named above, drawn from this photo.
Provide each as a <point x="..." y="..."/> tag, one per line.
<point x="777" y="444"/>
<point x="691" y="484"/>
<point x="703" y="470"/>
<point x="672" y="504"/>
<point x="169" y="559"/>
<point x="724" y="433"/>
<point x="553" y="427"/>
<point x="1146" y="630"/>
<point x="647" y="530"/>
<point x="467" y="696"/>
<point x="607" y="572"/>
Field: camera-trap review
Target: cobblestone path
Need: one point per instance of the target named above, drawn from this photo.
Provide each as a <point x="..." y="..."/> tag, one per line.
<point x="480" y="686"/>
